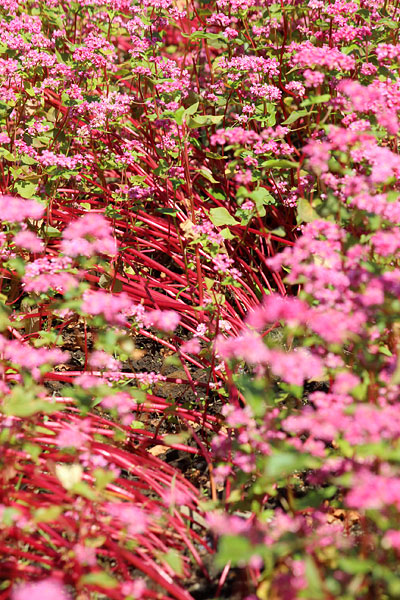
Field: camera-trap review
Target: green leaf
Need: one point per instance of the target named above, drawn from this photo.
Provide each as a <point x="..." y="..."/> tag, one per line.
<point x="95" y="542"/>
<point x="215" y="156"/>
<point x="178" y="115"/>
<point x="103" y="478"/>
<point x="7" y="155"/>
<point x="314" y="581"/>
<point x="174" y="560"/>
<point x="226" y="234"/>
<point x="21" y="403"/>
<point x="305" y="212"/>
<point x="83" y="489"/>
<point x="33" y="450"/>
<point x="316" y="100"/>
<point x="254" y="392"/>
<point x="387" y="22"/>
<point x="8" y="515"/>
<point x="234" y="549"/>
<point x="279" y="163"/>
<point x="271" y="110"/>
<point x="138" y="425"/>
<point x="279" y="231"/>
<point x="207" y="174"/>
<point x="47" y="515"/>
<point x="220" y="216"/>
<point x="283" y="464"/>
<point x="204" y="121"/>
<point x="355" y="565"/>
<point x="101" y="578"/>
<point x="167" y="211"/>
<point x="262" y="197"/>
<point x="191" y="110"/>
<point x="52" y="232"/>
<point x="315" y="499"/>
<point x="25" y="189"/>
<point x="294" y="116"/>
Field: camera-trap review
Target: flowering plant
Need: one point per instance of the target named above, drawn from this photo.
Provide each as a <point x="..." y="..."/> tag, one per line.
<point x="199" y="244"/>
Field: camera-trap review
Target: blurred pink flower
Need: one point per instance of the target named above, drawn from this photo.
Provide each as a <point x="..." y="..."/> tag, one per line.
<point x="27" y="239"/>
<point x="17" y="210"/>
<point x="47" y="589"/>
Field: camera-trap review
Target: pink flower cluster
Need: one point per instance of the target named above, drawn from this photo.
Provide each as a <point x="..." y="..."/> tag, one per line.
<point x="17" y="210"/>
<point x="89" y="235"/>
<point x="30" y="358"/>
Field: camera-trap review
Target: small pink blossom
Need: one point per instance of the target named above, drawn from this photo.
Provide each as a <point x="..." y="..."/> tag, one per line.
<point x="101" y="360"/>
<point x="89" y="235"/>
<point x="191" y="346"/>
<point x="113" y="307"/>
<point x="165" y="320"/>
<point x="17" y="210"/>
<point x="134" y="589"/>
<point x="74" y="435"/>
<point x="47" y="589"/>
<point x="391" y="539"/>
<point x="27" y="239"/>
<point x="132" y="517"/>
<point x="85" y="555"/>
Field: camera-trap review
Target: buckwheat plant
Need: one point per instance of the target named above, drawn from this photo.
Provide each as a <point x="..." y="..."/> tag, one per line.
<point x="199" y="299"/>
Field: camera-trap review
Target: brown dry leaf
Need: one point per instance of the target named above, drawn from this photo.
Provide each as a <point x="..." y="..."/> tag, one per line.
<point x="138" y="354"/>
<point x="341" y="514"/>
<point x="158" y="450"/>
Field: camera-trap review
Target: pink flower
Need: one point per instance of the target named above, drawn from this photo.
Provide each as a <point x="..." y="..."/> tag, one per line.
<point x="27" y="357"/>
<point x="165" y="320"/>
<point x="70" y="438"/>
<point x="345" y="382"/>
<point x="85" y="555"/>
<point x="221" y="523"/>
<point x="278" y="308"/>
<point x="368" y="69"/>
<point x="89" y="235"/>
<point x="307" y="55"/>
<point x="313" y="78"/>
<point x="74" y="435"/>
<point x="191" y="346"/>
<point x="47" y="589"/>
<point x="248" y="347"/>
<point x="295" y="367"/>
<point x="391" y="539"/>
<point x="113" y="307"/>
<point x="220" y="474"/>
<point x="334" y="326"/>
<point x="386" y="242"/>
<point x="101" y="360"/>
<point x="175" y="496"/>
<point x="49" y="273"/>
<point x="122" y="403"/>
<point x="87" y="381"/>
<point x="17" y="210"/>
<point x="371" y="491"/>
<point x="134" y="589"/>
<point x="132" y="517"/>
<point x="27" y="239"/>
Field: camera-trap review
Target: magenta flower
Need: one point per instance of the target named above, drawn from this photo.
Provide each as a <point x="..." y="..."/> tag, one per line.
<point x="113" y="307"/>
<point x="17" y="210"/>
<point x="27" y="239"/>
<point x="89" y="235"/>
<point x="165" y="320"/>
<point x="47" y="589"/>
